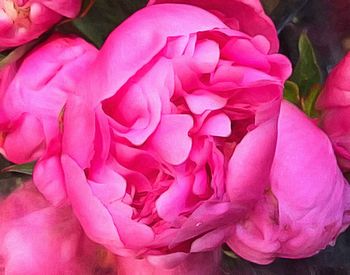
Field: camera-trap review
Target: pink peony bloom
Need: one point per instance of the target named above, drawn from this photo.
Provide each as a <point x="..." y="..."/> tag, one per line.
<point x="306" y="203"/>
<point x="160" y="112"/>
<point x="24" y="20"/>
<point x="33" y="93"/>
<point x="205" y="263"/>
<point x="247" y="16"/>
<point x="334" y="104"/>
<point x="36" y="238"/>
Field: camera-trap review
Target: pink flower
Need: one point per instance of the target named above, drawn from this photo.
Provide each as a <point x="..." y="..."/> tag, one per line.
<point x="334" y="104"/>
<point x="159" y="113"/>
<point x="247" y="16"/>
<point x="36" y="238"/>
<point x="33" y="94"/>
<point x="305" y="204"/>
<point x="205" y="263"/>
<point x="24" y="20"/>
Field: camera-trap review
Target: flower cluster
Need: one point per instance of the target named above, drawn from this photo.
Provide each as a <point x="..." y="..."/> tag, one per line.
<point x="169" y="141"/>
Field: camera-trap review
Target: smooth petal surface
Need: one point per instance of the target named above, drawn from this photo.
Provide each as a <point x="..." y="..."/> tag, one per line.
<point x="205" y="263"/>
<point x="171" y="140"/>
<point x="28" y="131"/>
<point x="36" y="238"/>
<point x="32" y="105"/>
<point x="86" y="205"/>
<point x="303" y="210"/>
<point x="249" y="167"/>
<point x="51" y="185"/>
<point x="334" y="104"/>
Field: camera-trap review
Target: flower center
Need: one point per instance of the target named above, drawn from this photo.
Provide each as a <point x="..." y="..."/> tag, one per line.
<point x="18" y="14"/>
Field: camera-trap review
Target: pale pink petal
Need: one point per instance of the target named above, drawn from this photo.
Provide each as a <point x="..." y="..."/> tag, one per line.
<point x="171" y="140"/>
<point x="217" y="125"/>
<point x="36" y="238"/>
<point x="201" y="101"/>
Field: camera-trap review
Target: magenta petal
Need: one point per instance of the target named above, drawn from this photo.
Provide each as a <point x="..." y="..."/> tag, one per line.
<point x="167" y="261"/>
<point x="68" y="8"/>
<point x="211" y="240"/>
<point x="206" y="56"/>
<point x="36" y="238"/>
<point x="128" y="228"/>
<point x="175" y="200"/>
<point x="85" y="205"/>
<point x="79" y="122"/>
<point x="136" y="108"/>
<point x="218" y="125"/>
<point x="116" y="67"/>
<point x="171" y="140"/>
<point x="51" y="184"/>
<point x="246" y="15"/>
<point x="207" y="263"/>
<point x="295" y="218"/>
<point x="307" y="204"/>
<point x="107" y="185"/>
<point x="334" y="104"/>
<point x="254" y="154"/>
<point x="207" y="217"/>
<point x="202" y="100"/>
<point x="337" y="87"/>
<point x="29" y="131"/>
<point x="243" y="52"/>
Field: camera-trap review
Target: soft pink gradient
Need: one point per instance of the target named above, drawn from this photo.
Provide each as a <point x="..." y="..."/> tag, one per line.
<point x="204" y="263"/>
<point x="33" y="94"/>
<point x="161" y="111"/>
<point x="305" y="204"/>
<point x="247" y="16"/>
<point x="334" y="104"/>
<point x="24" y="20"/>
<point x="36" y="238"/>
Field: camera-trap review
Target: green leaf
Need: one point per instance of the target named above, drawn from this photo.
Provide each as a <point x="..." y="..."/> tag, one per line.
<point x="291" y="92"/>
<point x="307" y="72"/>
<point x="26" y="168"/>
<point x="101" y="19"/>
<point x="308" y="103"/>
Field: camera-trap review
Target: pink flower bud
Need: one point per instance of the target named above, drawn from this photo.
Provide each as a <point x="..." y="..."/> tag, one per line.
<point x="306" y="202"/>
<point x="334" y="104"/>
<point x="36" y="238"/>
<point x="24" y="20"/>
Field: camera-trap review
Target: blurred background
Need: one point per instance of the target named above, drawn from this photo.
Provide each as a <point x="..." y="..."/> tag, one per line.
<point x="327" y="24"/>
